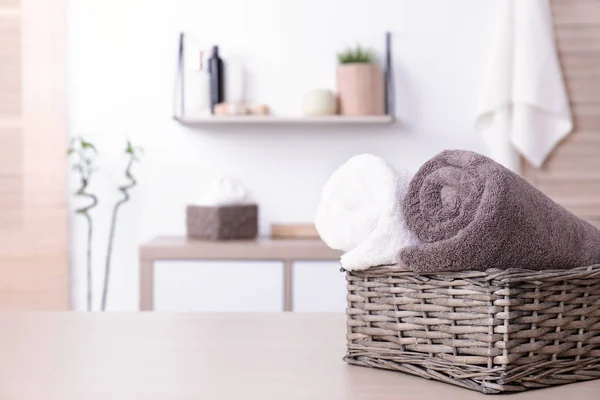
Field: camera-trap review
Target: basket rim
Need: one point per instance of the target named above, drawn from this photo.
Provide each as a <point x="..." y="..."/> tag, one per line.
<point x="501" y="275"/>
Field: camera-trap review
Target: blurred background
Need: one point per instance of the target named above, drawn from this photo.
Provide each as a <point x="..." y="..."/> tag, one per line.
<point x="108" y="72"/>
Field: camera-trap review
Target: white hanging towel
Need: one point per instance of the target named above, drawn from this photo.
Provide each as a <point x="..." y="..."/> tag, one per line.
<point x="524" y="107"/>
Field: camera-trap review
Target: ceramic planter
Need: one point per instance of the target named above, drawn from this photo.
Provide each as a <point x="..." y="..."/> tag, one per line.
<point x="360" y="89"/>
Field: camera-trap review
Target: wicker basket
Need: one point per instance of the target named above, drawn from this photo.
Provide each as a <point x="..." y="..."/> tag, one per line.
<point x="494" y="331"/>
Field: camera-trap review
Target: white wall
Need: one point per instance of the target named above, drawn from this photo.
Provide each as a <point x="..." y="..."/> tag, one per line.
<point x="122" y="67"/>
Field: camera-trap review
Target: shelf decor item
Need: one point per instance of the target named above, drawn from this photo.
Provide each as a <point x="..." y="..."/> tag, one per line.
<point x="197" y="89"/>
<point x="319" y="102"/>
<point x="222" y="222"/>
<point x="494" y="331"/>
<point x="223" y="211"/>
<point x="360" y="83"/>
<point x="294" y="231"/>
<point x="217" y="77"/>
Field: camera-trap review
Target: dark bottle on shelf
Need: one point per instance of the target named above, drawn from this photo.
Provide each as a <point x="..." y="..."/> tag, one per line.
<point x="215" y="69"/>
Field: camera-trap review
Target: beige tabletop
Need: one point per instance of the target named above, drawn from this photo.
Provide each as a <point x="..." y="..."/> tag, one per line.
<point x="179" y="248"/>
<point x="205" y="356"/>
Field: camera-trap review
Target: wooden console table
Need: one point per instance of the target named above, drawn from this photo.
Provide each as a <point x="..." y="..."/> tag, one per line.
<point x="180" y="248"/>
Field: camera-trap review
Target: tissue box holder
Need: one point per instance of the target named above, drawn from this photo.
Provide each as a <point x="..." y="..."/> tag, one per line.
<point x="222" y="222"/>
<point x="494" y="331"/>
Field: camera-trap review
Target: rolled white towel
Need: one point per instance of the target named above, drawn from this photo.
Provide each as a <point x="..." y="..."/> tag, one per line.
<point x="360" y="212"/>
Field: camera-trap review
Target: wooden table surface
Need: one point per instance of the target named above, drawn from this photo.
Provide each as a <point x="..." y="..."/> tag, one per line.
<point x="148" y="356"/>
<point x="180" y="247"/>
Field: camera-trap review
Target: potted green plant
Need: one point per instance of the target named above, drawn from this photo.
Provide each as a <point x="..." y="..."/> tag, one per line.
<point x="360" y="83"/>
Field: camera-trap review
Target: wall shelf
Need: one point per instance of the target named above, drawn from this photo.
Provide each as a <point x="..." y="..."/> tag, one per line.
<point x="263" y="120"/>
<point x="275" y="120"/>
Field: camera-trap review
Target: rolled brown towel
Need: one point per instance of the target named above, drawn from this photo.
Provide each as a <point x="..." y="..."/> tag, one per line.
<point x="471" y="213"/>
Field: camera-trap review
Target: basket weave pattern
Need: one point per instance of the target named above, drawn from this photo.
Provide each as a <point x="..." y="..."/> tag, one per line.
<point x="494" y="331"/>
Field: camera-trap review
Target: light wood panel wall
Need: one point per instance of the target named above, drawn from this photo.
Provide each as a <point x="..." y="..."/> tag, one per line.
<point x="571" y="176"/>
<point x="34" y="270"/>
